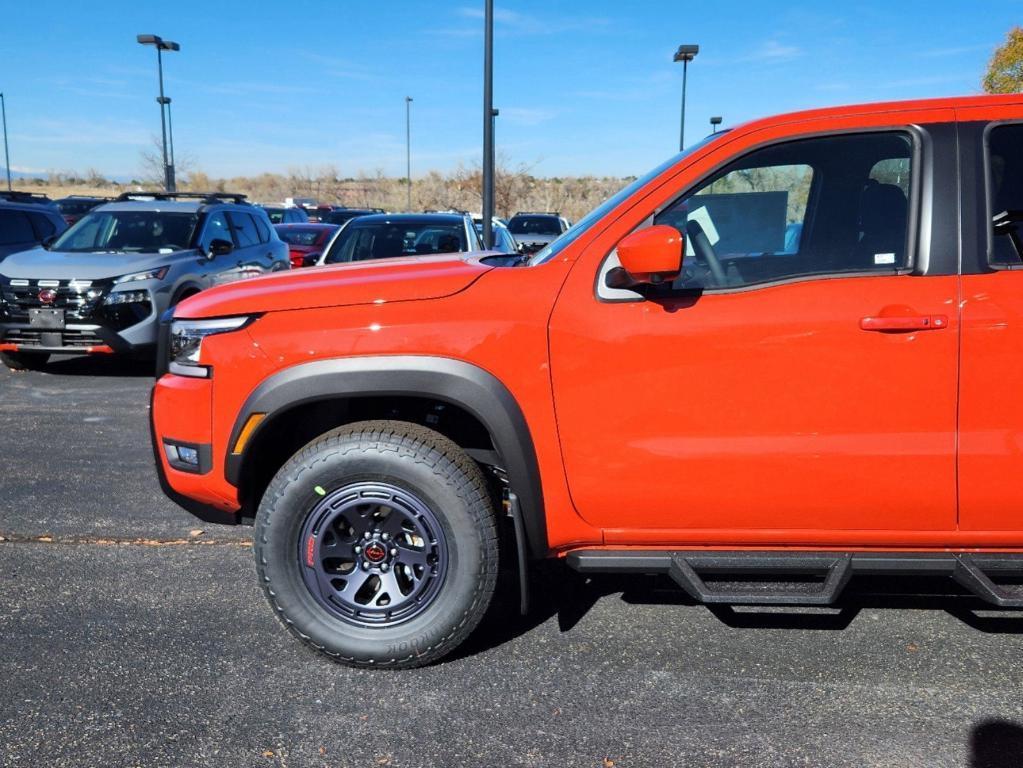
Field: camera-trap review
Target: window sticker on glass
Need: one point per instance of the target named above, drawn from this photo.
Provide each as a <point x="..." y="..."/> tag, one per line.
<point x="702" y="217"/>
<point x="884" y="258"/>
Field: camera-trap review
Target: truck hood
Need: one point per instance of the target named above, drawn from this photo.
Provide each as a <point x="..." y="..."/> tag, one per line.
<point x="41" y="264"/>
<point x="364" y="282"/>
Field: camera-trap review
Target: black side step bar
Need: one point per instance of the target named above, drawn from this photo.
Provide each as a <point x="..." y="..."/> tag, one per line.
<point x="803" y="578"/>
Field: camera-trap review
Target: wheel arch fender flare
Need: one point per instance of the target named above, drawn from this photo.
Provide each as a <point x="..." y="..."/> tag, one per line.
<point x="468" y="386"/>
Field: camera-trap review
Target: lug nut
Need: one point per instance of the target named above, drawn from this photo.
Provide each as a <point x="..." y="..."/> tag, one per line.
<point x="357" y="549"/>
<point x="384" y="567"/>
<point x="394" y="551"/>
<point x="367" y="535"/>
<point x="365" y="566"/>
<point x="386" y="537"/>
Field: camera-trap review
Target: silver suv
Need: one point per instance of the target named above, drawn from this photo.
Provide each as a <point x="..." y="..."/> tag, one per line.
<point x="101" y="286"/>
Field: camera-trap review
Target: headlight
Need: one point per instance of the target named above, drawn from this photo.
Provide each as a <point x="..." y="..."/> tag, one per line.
<point x="126" y="297"/>
<point x="153" y="274"/>
<point x="186" y="342"/>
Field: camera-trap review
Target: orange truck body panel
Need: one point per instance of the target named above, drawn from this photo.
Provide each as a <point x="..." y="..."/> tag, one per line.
<point x="766" y="418"/>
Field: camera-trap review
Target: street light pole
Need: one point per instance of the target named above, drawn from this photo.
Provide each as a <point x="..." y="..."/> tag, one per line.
<point x="7" y="154"/>
<point x="162" y="45"/>
<point x="408" y="150"/>
<point x="685" y="54"/>
<point x="488" y="124"/>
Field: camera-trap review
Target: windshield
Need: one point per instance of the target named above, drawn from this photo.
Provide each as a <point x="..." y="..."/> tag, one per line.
<point x="276" y="214"/>
<point x="129" y="232"/>
<point x="361" y="239"/>
<point x="74" y="207"/>
<point x="591" y="218"/>
<point x="534" y="225"/>
<point x="301" y="235"/>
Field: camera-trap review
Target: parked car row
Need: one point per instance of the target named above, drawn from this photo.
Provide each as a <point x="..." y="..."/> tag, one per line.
<point x="100" y="285"/>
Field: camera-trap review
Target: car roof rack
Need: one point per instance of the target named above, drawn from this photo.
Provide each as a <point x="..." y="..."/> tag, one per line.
<point x="18" y="196"/>
<point x="538" y="213"/>
<point x="207" y="197"/>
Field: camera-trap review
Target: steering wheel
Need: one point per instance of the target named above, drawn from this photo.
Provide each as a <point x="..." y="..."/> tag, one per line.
<point x="704" y="251"/>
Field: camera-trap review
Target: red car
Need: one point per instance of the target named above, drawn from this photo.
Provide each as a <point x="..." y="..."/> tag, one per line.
<point x="305" y="241"/>
<point x="786" y="356"/>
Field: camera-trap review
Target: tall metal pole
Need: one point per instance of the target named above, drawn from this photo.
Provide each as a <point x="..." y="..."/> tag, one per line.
<point x="488" y="125"/>
<point x="168" y="168"/>
<point x="685" y="54"/>
<point x="682" y="122"/>
<point x="408" y="150"/>
<point x="7" y="154"/>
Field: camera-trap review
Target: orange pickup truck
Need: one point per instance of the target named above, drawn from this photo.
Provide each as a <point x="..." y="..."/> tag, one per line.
<point x="791" y="354"/>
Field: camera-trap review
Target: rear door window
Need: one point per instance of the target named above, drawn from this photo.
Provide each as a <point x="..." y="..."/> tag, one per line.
<point x="262" y="228"/>
<point x="244" y="229"/>
<point x="1005" y="193"/>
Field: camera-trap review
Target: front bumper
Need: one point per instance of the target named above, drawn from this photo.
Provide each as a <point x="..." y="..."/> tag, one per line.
<point x="181" y="415"/>
<point x="89" y="325"/>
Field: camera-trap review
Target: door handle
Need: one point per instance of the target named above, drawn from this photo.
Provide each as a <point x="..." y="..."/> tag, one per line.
<point x="905" y="323"/>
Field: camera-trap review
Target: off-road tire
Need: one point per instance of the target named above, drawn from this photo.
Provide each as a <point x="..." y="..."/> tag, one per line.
<point x="418" y="461"/>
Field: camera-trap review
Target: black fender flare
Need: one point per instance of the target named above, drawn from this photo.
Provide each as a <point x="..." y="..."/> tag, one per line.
<point x="453" y="381"/>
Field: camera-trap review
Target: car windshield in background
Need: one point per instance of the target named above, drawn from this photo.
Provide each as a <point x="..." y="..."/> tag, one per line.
<point x="276" y="214"/>
<point x="76" y="207"/>
<point x="534" y="225"/>
<point x="129" y="232"/>
<point x="300" y="236"/>
<point x="362" y="240"/>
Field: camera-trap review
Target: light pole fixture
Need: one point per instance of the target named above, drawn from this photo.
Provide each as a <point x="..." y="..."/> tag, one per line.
<point x="162" y="45"/>
<point x="408" y="150"/>
<point x="714" y="123"/>
<point x="685" y="54"/>
<point x="7" y="154"/>
<point x="488" y="124"/>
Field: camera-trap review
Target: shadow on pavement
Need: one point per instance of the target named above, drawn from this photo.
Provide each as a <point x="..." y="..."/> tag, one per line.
<point x="558" y="591"/>
<point x="100" y="365"/>
<point x="996" y="744"/>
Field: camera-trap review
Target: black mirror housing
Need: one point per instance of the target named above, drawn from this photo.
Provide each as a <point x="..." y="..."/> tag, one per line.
<point x="219" y="247"/>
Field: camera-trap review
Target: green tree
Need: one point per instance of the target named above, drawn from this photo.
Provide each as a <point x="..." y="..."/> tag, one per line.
<point x="1005" y="72"/>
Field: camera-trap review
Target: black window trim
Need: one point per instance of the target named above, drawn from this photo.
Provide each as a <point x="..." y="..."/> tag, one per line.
<point x="920" y="155"/>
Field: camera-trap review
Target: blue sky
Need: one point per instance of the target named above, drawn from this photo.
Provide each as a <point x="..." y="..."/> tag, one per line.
<point x="584" y="87"/>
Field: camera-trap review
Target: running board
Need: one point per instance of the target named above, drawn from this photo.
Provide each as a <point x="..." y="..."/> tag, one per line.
<point x="803" y="578"/>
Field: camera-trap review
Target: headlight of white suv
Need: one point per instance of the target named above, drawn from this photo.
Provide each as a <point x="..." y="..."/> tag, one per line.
<point x="186" y="337"/>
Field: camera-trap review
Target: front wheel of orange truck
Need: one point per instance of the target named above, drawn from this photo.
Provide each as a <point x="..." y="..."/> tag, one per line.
<point x="376" y="544"/>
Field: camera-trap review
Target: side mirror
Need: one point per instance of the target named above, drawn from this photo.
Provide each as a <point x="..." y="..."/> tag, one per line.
<point x="650" y="256"/>
<point x="48" y="241"/>
<point x="219" y="247"/>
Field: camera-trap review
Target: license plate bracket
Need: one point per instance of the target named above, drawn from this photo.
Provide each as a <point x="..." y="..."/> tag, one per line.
<point x="50" y="319"/>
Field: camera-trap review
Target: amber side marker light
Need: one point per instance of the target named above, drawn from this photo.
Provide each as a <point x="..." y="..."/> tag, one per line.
<point x="250" y="426"/>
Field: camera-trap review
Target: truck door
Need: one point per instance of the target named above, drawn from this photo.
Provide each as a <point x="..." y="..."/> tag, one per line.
<point x="798" y="381"/>
<point x="990" y="407"/>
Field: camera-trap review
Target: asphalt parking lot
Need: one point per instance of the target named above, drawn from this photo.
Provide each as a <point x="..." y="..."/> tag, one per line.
<point x="129" y="638"/>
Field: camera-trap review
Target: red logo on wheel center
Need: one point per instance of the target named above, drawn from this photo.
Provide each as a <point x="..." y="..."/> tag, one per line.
<point x="375" y="552"/>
